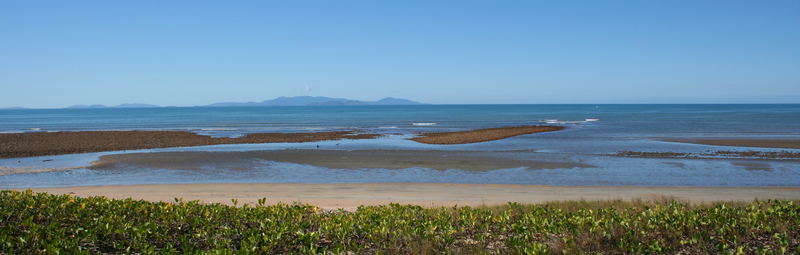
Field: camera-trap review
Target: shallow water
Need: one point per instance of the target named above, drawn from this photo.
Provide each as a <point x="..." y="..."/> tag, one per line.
<point x="613" y="120"/>
<point x="619" y="128"/>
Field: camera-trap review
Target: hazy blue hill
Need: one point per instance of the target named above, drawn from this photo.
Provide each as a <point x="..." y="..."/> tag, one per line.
<point x="98" y="106"/>
<point x="223" y="104"/>
<point x="394" y="101"/>
<point x="308" y="100"/>
<point x="311" y="100"/>
<point x="84" y="106"/>
<point x="136" y="106"/>
<point x="349" y="102"/>
<point x="280" y="101"/>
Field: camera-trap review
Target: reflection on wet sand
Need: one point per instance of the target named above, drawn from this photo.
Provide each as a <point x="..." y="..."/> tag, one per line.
<point x="387" y="159"/>
<point x="764" y="143"/>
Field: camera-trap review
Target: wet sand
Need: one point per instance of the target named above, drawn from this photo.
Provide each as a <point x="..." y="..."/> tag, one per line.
<point x="350" y="196"/>
<point x="481" y="135"/>
<point x="764" y="143"/>
<point x="750" y="154"/>
<point x="388" y="159"/>
<point x="29" y="170"/>
<point x="55" y="143"/>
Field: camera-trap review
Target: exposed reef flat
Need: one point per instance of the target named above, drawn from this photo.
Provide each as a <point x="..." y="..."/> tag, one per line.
<point x="764" y="143"/>
<point x="55" y="143"/>
<point x="14" y="145"/>
<point x="713" y="154"/>
<point x="481" y="135"/>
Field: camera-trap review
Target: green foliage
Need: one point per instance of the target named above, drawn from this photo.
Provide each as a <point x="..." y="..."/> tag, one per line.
<point x="32" y="223"/>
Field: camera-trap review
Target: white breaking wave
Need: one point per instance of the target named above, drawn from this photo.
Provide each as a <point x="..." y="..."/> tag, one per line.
<point x="388" y="127"/>
<point x="219" y="129"/>
<point x="423" y="123"/>
<point x="554" y="121"/>
<point x="590" y="120"/>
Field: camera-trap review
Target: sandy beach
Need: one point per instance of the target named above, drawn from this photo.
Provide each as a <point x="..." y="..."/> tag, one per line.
<point x="350" y="196"/>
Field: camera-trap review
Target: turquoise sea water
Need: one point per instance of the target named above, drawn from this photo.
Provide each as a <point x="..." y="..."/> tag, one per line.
<point x="615" y="120"/>
<point x="594" y="132"/>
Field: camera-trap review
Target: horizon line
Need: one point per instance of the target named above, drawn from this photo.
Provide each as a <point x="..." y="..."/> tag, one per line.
<point x="420" y="104"/>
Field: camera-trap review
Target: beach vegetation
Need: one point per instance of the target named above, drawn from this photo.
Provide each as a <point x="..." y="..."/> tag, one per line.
<point x="41" y="223"/>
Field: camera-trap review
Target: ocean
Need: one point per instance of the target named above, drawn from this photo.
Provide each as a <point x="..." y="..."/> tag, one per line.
<point x="594" y="133"/>
<point x="747" y="120"/>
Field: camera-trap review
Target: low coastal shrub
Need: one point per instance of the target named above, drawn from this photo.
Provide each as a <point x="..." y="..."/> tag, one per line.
<point x="32" y="223"/>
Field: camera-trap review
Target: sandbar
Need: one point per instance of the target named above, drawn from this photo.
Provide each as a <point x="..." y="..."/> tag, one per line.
<point x="54" y="143"/>
<point x="481" y="135"/>
<point x="350" y="196"/>
<point x="13" y="145"/>
<point x="728" y="154"/>
<point x="764" y="143"/>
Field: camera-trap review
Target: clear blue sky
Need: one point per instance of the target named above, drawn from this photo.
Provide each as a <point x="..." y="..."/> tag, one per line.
<point x="59" y="53"/>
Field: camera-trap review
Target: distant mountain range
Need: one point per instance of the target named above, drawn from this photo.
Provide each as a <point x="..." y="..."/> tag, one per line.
<point x="281" y="101"/>
<point x="309" y="100"/>
<point x="94" y="106"/>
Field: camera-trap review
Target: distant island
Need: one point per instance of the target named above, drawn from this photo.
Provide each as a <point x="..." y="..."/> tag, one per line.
<point x="93" y="106"/>
<point x="280" y="101"/>
<point x="309" y="101"/>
